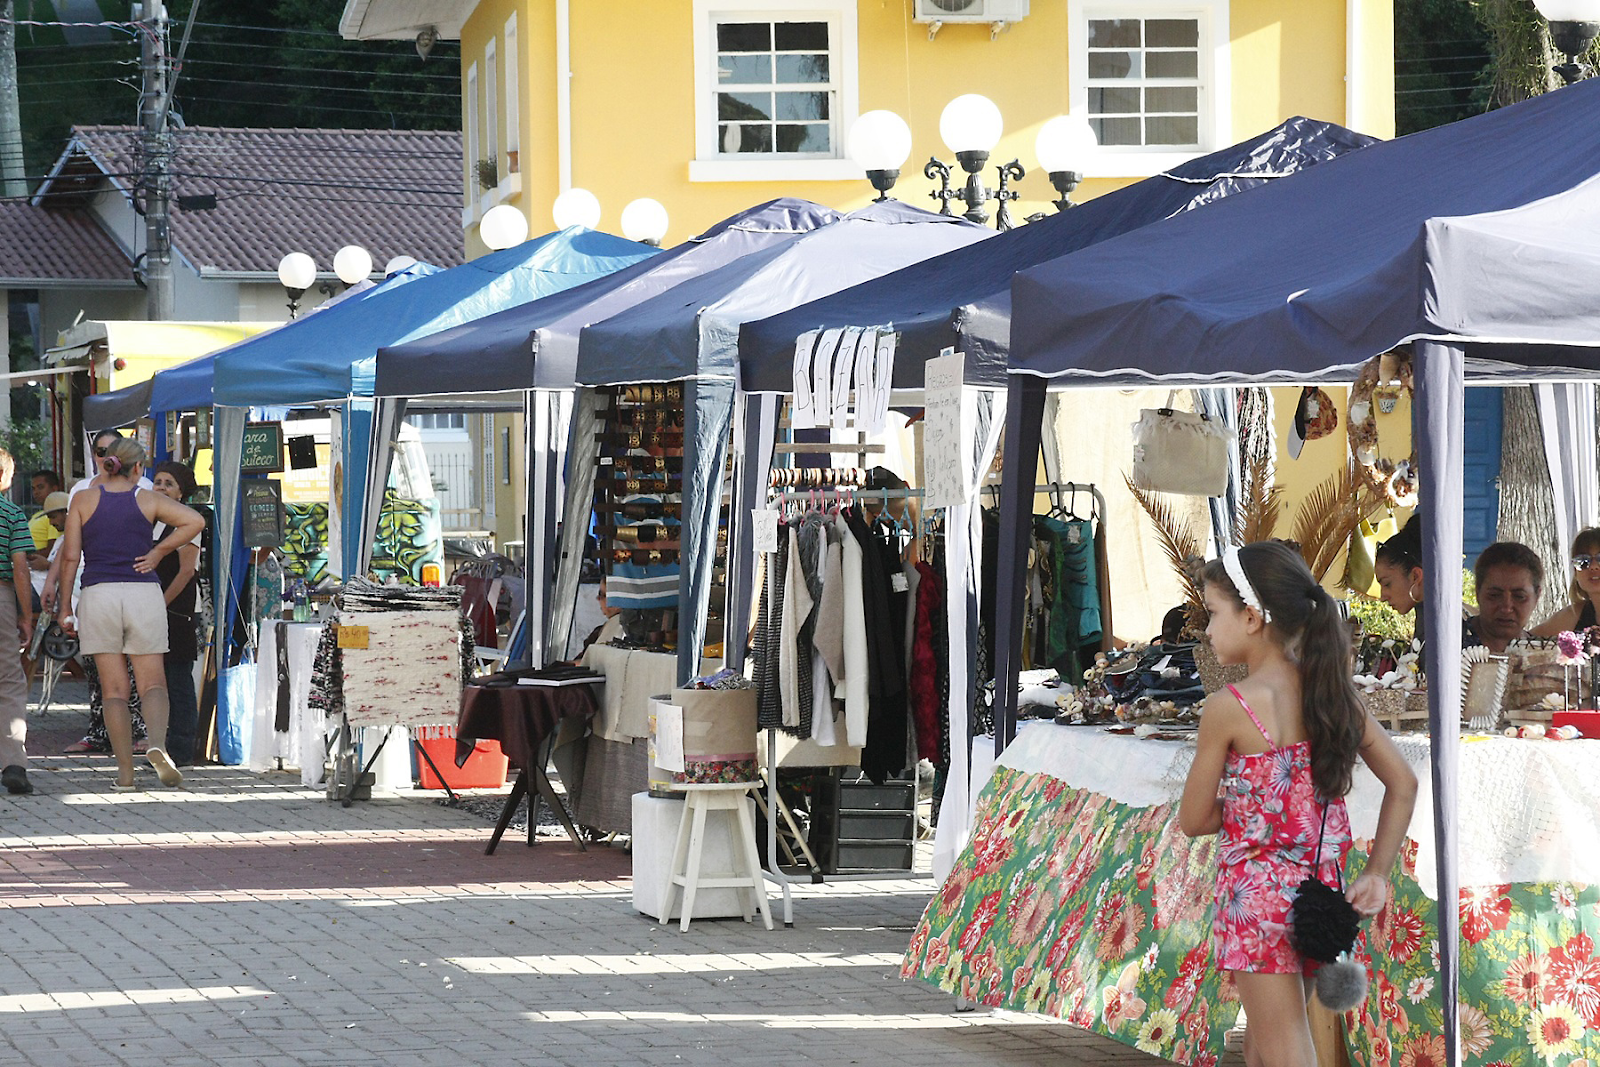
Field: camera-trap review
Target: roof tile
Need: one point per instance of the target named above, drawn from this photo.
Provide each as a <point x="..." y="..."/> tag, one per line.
<point x="39" y="246"/>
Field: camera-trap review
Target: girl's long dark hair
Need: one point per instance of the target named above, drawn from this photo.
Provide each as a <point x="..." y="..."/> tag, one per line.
<point x="1306" y="622"/>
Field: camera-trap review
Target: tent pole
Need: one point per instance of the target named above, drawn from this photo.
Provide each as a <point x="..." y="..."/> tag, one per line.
<point x="1024" y="426"/>
<point x="1438" y="413"/>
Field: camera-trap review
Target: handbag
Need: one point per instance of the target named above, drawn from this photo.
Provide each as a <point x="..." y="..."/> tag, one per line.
<point x="1180" y="452"/>
<point x="1323" y="924"/>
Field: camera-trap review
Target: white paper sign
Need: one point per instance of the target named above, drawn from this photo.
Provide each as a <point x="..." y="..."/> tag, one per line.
<point x="943" y="463"/>
<point x="667" y="735"/>
<point x="764" y="529"/>
<point x="802" y="410"/>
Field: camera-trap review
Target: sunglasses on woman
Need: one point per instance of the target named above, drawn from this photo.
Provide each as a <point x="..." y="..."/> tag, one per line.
<point x="1583" y="563"/>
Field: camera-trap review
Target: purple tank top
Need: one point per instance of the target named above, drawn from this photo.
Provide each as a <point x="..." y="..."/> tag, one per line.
<point x="116" y="535"/>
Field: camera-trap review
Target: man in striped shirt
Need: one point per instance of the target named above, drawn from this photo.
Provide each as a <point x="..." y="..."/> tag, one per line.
<point x="16" y="617"/>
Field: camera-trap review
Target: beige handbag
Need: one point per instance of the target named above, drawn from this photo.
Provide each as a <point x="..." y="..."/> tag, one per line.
<point x="1180" y="452"/>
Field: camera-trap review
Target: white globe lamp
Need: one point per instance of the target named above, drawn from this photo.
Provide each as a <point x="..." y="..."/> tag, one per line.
<point x="879" y="143"/>
<point x="352" y="263"/>
<point x="1574" y="24"/>
<point x="971" y="124"/>
<point x="1061" y="146"/>
<point x="645" y="220"/>
<point x="576" y="207"/>
<point x="298" y="272"/>
<point x="502" y="226"/>
<point x="398" y="264"/>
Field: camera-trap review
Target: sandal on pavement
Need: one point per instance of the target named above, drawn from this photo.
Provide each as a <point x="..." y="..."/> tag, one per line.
<point x="165" y="770"/>
<point x="140" y="747"/>
<point x="83" y="746"/>
<point x="120" y="788"/>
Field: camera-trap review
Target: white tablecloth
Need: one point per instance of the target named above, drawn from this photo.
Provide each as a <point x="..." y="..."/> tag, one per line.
<point x="1528" y="811"/>
<point x="302" y="745"/>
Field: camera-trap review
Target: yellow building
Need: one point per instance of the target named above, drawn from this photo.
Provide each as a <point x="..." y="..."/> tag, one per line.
<point x="710" y="106"/>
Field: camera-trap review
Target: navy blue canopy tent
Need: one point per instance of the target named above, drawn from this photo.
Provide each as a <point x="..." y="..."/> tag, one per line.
<point x="1473" y="240"/>
<point x="690" y="334"/>
<point x="962" y="299"/>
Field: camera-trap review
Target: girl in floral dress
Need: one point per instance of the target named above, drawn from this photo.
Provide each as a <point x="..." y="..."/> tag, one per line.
<point x="1274" y="754"/>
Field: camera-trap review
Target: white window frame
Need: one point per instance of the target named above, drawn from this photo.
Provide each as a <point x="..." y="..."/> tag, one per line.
<point x="708" y="165"/>
<point x="1216" y="81"/>
<point x="491" y="104"/>
<point x="513" y="89"/>
<point x="469" y="208"/>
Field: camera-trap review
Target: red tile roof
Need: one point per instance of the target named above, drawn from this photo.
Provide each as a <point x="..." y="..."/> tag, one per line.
<point x="40" y="247"/>
<point x="394" y="192"/>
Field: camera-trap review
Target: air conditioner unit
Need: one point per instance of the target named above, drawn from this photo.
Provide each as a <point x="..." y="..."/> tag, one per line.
<point x="995" y="11"/>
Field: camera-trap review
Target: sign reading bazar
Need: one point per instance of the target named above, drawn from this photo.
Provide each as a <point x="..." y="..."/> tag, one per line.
<point x="262" y="451"/>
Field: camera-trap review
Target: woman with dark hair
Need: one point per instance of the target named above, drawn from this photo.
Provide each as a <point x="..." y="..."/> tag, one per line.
<point x="1398" y="566"/>
<point x="123" y="615"/>
<point x="1584" y="590"/>
<point x="1272" y="765"/>
<point x="180" y="587"/>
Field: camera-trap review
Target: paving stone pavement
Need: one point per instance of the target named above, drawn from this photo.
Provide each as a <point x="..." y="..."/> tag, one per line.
<point x="243" y="921"/>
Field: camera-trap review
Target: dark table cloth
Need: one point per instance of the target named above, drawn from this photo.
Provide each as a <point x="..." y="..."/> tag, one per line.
<point x="521" y="717"/>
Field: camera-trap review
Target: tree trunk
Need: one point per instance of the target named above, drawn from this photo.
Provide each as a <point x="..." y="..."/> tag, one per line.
<point x="12" y="172"/>
<point x="1527" y="505"/>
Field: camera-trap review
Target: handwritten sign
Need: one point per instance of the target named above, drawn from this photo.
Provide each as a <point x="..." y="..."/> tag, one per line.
<point x="263" y="514"/>
<point x="262" y="451"/>
<point x="355" y="636"/>
<point x="764" y="529"/>
<point x="943" y="467"/>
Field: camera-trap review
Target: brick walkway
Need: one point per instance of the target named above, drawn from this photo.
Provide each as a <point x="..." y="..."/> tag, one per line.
<point x="244" y="921"/>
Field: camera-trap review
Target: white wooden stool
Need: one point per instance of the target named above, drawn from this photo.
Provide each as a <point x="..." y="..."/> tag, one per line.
<point x="746" y="876"/>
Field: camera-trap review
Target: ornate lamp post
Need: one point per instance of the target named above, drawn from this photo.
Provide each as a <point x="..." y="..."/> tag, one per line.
<point x="1574" y="24"/>
<point x="880" y="143"/>
<point x="298" y="272"/>
<point x="1060" y="147"/>
<point x="352" y="264"/>
<point x="970" y="126"/>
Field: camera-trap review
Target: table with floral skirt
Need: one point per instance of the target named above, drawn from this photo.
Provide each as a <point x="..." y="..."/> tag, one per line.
<point x="1078" y="896"/>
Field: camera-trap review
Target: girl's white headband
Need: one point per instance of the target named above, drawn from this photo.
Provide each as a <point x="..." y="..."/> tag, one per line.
<point x="1241" y="583"/>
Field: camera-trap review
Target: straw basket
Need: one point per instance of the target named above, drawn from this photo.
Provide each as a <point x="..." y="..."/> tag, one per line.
<point x="1399" y="709"/>
<point x="1213" y="675"/>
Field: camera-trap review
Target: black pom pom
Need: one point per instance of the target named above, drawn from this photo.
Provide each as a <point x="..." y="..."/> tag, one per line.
<point x="1324" y="923"/>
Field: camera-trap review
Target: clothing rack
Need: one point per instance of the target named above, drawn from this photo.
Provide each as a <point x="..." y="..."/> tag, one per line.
<point x="1054" y="489"/>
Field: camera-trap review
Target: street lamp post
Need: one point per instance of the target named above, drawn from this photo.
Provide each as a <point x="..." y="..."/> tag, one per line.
<point x="298" y="272"/>
<point x="970" y="126"/>
<point x="1060" y="147"/>
<point x="880" y="143"/>
<point x="1574" y="24"/>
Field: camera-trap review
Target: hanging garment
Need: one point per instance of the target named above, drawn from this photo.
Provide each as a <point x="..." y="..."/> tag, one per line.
<point x="828" y="635"/>
<point x="809" y="544"/>
<point x="925" y="708"/>
<point x="1073" y="618"/>
<point x="796" y="609"/>
<point x="884" y="754"/>
<point x="769" y="639"/>
<point x="941" y="651"/>
<point x="856" y="680"/>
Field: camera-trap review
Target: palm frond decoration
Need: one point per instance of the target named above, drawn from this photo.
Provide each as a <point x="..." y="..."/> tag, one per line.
<point x="1329" y="516"/>
<point x="1260" y="501"/>
<point x="1182" y="546"/>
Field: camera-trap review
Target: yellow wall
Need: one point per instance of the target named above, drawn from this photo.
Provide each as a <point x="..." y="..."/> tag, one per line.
<point x="633" y="95"/>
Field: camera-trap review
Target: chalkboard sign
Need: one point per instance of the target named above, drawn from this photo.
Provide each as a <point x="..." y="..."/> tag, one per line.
<point x="263" y="514"/>
<point x="263" y="449"/>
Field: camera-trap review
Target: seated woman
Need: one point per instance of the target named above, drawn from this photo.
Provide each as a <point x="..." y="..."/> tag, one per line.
<point x="1397" y="563"/>
<point x="1584" y="590"/>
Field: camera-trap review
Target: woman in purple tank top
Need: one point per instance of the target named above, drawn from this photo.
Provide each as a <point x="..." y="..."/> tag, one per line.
<point x="121" y="611"/>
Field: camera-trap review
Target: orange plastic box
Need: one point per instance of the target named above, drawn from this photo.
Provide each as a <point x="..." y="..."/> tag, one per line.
<point x="485" y="769"/>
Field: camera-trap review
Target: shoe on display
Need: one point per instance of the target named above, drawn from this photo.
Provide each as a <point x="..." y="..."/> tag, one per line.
<point x="15" y="779"/>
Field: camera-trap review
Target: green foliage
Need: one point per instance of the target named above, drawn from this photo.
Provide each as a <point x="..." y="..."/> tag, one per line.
<point x="28" y="441"/>
<point x="279" y="63"/>
<point x="1441" y="53"/>
<point x="1376" y="617"/>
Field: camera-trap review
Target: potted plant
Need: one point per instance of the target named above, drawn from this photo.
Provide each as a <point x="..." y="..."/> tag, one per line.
<point x="488" y="173"/>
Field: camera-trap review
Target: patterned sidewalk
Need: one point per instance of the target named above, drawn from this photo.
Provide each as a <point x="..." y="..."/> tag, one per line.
<point x="244" y="921"/>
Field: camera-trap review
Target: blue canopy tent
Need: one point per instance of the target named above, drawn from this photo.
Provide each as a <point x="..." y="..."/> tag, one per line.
<point x="187" y="386"/>
<point x="331" y="356"/>
<point x="690" y="334"/>
<point x="1471" y="240"/>
<point x="532" y="350"/>
<point x="962" y="299"/>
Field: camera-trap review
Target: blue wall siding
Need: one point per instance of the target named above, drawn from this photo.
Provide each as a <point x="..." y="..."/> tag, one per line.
<point x="1484" y="423"/>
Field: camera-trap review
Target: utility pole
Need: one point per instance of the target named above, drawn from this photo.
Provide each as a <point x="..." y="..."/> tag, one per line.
<point x="156" y="142"/>
<point x="12" y="181"/>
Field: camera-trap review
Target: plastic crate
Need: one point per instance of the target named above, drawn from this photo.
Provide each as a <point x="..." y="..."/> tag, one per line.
<point x="485" y="769"/>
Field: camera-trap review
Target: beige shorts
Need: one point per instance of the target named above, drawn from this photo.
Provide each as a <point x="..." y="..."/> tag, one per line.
<point x="126" y="617"/>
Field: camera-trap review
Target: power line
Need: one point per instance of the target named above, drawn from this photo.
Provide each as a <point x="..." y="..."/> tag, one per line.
<point x="332" y="88"/>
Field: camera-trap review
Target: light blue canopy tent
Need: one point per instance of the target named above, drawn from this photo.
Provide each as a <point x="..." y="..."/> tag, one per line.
<point x="331" y="358"/>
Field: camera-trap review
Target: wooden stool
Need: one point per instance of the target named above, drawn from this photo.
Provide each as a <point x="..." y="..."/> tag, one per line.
<point x="685" y="869"/>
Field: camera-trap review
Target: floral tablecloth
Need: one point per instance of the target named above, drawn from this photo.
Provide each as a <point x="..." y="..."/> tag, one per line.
<point x="1097" y="910"/>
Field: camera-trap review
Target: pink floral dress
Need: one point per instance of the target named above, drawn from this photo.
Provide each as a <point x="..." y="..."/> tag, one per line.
<point x="1271" y="815"/>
